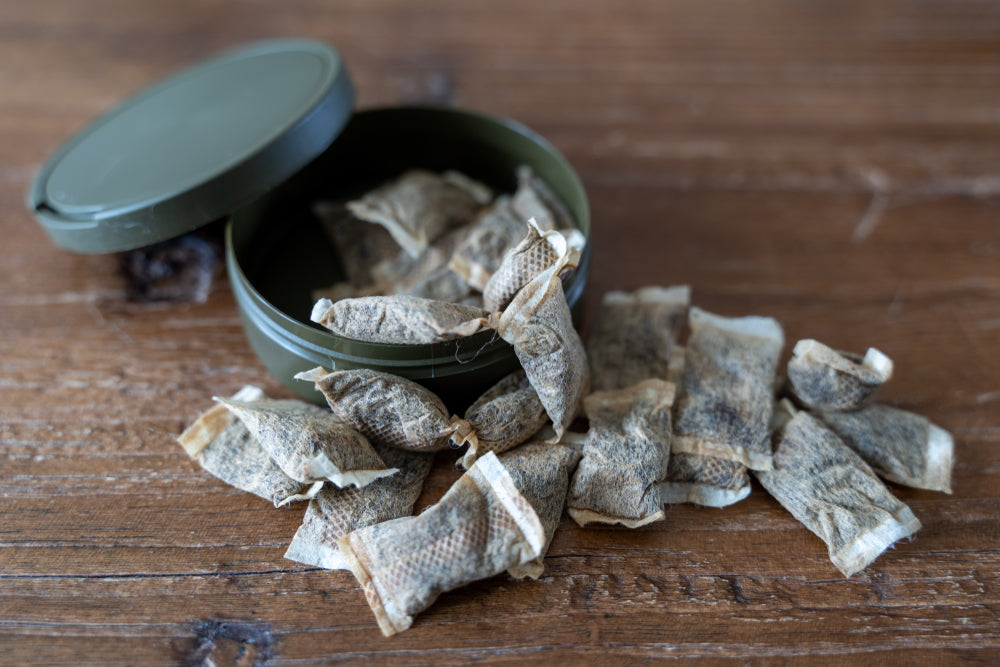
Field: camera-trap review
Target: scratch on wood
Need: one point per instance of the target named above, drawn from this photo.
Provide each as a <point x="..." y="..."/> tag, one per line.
<point x="689" y="586"/>
<point x="435" y="87"/>
<point x="967" y="336"/>
<point x="231" y="643"/>
<point x="18" y="174"/>
<point x="115" y="329"/>
<point x="655" y="586"/>
<point x="593" y="633"/>
<point x="735" y="588"/>
<point x="62" y="298"/>
<point x="896" y="303"/>
<point x="879" y="182"/>
<point x="987" y="397"/>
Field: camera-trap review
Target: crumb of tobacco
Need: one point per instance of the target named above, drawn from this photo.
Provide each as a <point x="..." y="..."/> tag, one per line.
<point x="176" y="270"/>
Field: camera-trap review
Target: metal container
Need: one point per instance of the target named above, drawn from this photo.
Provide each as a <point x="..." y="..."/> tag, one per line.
<point x="259" y="134"/>
<point x="277" y="254"/>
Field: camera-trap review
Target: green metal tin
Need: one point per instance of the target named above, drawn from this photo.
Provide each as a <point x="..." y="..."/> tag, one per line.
<point x="277" y="253"/>
<point x="265" y="131"/>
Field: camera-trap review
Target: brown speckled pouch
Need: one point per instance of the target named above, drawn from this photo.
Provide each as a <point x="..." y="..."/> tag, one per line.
<point x="541" y="472"/>
<point x="822" y="378"/>
<point x="625" y="456"/>
<point x="420" y="206"/>
<point x="405" y="320"/>
<point x="360" y="245"/>
<point x="334" y="513"/>
<point x="537" y="323"/>
<point x="506" y="415"/>
<point x="535" y="199"/>
<point x="489" y="238"/>
<point x="831" y="490"/>
<point x="536" y="252"/>
<point x="726" y="397"/>
<point x="634" y="335"/>
<point x="428" y="274"/>
<point x="704" y="480"/>
<point x="309" y="443"/>
<point x="224" y="447"/>
<point x="901" y="446"/>
<point x="481" y="527"/>
<point x="387" y="409"/>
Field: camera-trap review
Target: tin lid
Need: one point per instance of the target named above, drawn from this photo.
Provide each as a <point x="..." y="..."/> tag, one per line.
<point x="194" y="147"/>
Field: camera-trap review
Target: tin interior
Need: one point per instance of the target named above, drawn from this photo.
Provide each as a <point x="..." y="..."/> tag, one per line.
<point x="278" y="253"/>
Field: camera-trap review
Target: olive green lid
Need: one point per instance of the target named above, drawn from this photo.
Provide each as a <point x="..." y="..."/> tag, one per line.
<point x="195" y="147"/>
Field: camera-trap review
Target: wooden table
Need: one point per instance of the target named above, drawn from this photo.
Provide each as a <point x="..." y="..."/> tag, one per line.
<point x="833" y="164"/>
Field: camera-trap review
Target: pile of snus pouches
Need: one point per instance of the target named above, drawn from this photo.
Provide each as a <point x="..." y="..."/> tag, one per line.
<point x="667" y="424"/>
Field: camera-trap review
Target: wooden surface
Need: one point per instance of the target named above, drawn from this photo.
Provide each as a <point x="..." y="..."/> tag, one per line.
<point x="835" y="165"/>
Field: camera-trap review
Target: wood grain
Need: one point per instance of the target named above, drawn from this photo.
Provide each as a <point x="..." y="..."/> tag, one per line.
<point x="833" y="164"/>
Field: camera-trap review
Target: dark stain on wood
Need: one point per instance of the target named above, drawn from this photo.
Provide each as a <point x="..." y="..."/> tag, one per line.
<point x="176" y="270"/>
<point x="231" y="643"/>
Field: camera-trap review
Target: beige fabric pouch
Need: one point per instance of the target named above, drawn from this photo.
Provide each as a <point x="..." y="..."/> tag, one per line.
<point x="400" y="320"/>
<point x="536" y="252"/>
<point x="625" y="456"/>
<point x="901" y="446"/>
<point x="223" y="446"/>
<point x="704" y="480"/>
<point x="538" y="324"/>
<point x="634" y="335"/>
<point x="481" y="527"/>
<point x="420" y="206"/>
<point x="541" y="472"/>
<point x="505" y="416"/>
<point x="834" y="493"/>
<point x="386" y="409"/>
<point x="726" y="397"/>
<point x="309" y="443"/>
<point x="822" y="378"/>
<point x="334" y="513"/>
